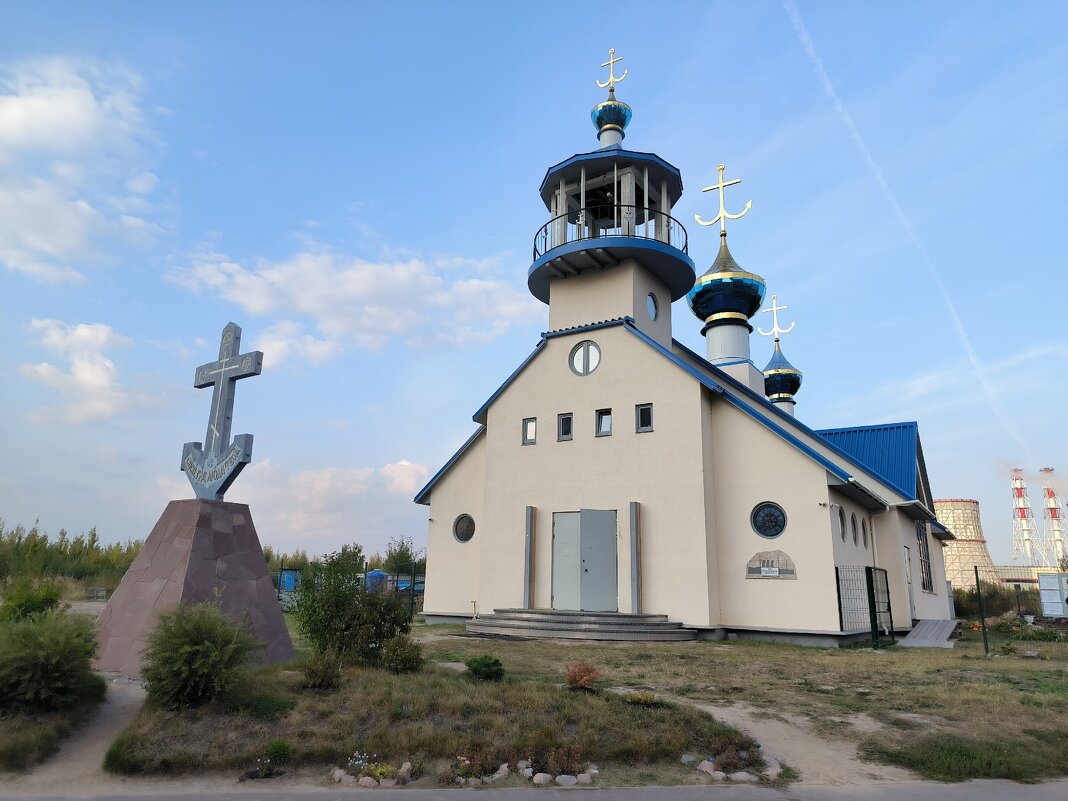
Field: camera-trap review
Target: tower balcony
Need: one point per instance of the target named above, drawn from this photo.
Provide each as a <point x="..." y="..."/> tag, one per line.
<point x="599" y="237"/>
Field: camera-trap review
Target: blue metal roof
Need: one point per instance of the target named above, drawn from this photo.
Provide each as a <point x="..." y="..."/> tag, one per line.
<point x="888" y="451"/>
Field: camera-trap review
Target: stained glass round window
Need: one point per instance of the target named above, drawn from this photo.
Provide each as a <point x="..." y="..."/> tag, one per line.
<point x="769" y="520"/>
<point x="464" y="528"/>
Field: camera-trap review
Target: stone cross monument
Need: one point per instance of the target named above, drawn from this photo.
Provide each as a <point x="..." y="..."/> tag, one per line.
<point x="202" y="549"/>
<point x="211" y="467"/>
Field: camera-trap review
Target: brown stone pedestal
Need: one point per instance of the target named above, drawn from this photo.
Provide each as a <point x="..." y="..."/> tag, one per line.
<point x="199" y="550"/>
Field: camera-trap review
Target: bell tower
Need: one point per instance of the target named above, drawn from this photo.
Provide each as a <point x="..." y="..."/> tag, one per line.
<point x="611" y="248"/>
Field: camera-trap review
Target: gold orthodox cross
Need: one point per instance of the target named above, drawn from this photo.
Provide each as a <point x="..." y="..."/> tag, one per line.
<point x="612" y="79"/>
<point x="774" y="311"/>
<point x="723" y="216"/>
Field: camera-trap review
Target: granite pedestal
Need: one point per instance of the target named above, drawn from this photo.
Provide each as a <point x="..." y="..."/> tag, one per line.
<point x="198" y="551"/>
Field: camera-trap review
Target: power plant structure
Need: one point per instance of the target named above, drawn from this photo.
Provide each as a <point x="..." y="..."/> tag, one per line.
<point x="1053" y="517"/>
<point x="968" y="551"/>
<point x="1027" y="545"/>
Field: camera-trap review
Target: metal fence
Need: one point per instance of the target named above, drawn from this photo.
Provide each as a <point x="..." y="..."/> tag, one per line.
<point x="1012" y="632"/>
<point x="864" y="603"/>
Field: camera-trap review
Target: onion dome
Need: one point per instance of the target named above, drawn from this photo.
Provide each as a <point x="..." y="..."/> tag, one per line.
<point x="781" y="379"/>
<point x="726" y="293"/>
<point x="611" y="115"/>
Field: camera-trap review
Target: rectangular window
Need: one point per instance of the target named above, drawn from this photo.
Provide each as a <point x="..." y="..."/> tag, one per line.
<point x="925" y="556"/>
<point x="530" y="430"/>
<point x="565" y="426"/>
<point x="643" y="417"/>
<point x="604" y="422"/>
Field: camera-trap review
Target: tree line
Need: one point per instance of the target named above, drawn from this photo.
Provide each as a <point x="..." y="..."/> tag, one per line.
<point x="32" y="553"/>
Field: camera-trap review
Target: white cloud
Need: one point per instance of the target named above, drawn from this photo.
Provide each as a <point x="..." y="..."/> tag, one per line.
<point x="368" y="303"/>
<point x="286" y="338"/>
<point x="89" y="387"/>
<point x="72" y="134"/>
<point x="406" y="477"/>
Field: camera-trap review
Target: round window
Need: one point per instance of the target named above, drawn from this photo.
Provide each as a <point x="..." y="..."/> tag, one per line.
<point x="651" y="307"/>
<point x="585" y="357"/>
<point x="864" y="532"/>
<point x="853" y="524"/>
<point x="841" y="522"/>
<point x="464" y="528"/>
<point x="769" y="520"/>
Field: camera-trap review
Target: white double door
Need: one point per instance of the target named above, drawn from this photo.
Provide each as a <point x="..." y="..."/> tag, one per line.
<point x="584" y="560"/>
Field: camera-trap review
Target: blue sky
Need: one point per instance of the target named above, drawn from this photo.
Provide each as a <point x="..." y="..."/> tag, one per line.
<point x="356" y="185"/>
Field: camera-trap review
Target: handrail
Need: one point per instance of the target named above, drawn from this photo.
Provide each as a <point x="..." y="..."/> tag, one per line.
<point x="594" y="222"/>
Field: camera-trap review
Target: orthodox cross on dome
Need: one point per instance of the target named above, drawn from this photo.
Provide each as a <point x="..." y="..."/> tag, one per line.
<point x="211" y="467"/>
<point x="723" y="216"/>
<point x="774" y="312"/>
<point x="612" y="79"/>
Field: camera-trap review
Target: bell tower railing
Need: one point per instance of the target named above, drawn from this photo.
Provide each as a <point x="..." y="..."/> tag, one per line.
<point x="595" y="222"/>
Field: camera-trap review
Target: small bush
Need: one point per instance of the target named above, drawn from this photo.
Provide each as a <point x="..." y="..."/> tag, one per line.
<point x="581" y="676"/>
<point x="24" y="597"/>
<point x="194" y="654"/>
<point x="122" y="756"/>
<point x="45" y="662"/>
<point x="402" y="655"/>
<point x="336" y="612"/>
<point x="485" y="668"/>
<point x="265" y="706"/>
<point x="642" y="698"/>
<point x="570" y="759"/>
<point x="322" y="671"/>
<point x="278" y="752"/>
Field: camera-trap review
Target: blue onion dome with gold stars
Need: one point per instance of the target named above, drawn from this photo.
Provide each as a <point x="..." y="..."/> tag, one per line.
<point x="781" y="379"/>
<point x="727" y="293"/>
<point x="611" y="115"/>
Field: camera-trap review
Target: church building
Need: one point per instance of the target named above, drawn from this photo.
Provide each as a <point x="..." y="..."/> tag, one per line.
<point x="618" y="476"/>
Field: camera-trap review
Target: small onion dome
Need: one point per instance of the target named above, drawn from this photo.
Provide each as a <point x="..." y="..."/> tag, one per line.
<point x="781" y="379"/>
<point x="726" y="293"/>
<point x="611" y="115"/>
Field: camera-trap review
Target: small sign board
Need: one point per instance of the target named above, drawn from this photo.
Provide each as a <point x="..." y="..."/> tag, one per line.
<point x="769" y="571"/>
<point x="1053" y="590"/>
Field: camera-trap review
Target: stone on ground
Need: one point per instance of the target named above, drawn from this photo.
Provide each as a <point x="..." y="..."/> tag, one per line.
<point x="542" y="778"/>
<point x="584" y="778"/>
<point x="743" y="776"/>
<point x="564" y="780"/>
<point x="706" y="766"/>
<point x="689" y="760"/>
<point x="367" y="781"/>
<point x="337" y="774"/>
<point x="526" y="773"/>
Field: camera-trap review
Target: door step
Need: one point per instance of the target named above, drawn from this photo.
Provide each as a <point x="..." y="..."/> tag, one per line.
<point x="573" y="625"/>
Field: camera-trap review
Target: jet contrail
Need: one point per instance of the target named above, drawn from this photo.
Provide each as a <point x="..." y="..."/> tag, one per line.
<point x="858" y="140"/>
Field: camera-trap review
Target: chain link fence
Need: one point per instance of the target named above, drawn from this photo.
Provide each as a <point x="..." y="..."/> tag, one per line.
<point x="1008" y="619"/>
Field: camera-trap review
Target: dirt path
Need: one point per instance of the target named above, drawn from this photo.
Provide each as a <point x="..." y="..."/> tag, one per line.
<point x="81" y="755"/>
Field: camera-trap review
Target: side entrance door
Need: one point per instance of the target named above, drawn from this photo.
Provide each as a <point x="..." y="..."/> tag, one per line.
<point x="584" y="560"/>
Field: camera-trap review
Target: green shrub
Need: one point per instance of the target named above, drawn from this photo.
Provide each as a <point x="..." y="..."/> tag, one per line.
<point x="24" y="597"/>
<point x="322" y="671"/>
<point x="485" y="668"/>
<point x="122" y="755"/>
<point x="278" y="752"/>
<point x="45" y="662"/>
<point x="264" y="706"/>
<point x="335" y="611"/>
<point x="194" y="654"/>
<point x="402" y="655"/>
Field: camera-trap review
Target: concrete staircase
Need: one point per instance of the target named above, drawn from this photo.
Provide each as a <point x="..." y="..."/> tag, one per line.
<point x="931" y="634"/>
<point x="579" y="625"/>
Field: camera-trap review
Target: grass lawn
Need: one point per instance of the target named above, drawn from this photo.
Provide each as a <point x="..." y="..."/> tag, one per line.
<point x="949" y="714"/>
<point x="430" y="717"/>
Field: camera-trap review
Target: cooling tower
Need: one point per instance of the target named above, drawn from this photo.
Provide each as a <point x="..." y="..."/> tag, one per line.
<point x="968" y="550"/>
